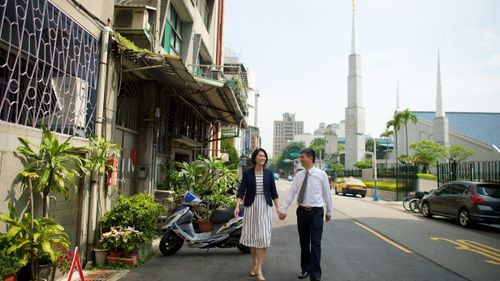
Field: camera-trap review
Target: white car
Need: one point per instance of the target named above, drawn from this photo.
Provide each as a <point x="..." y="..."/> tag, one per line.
<point x="290" y="178"/>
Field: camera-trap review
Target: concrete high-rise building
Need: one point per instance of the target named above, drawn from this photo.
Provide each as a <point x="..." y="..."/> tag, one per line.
<point x="354" y="112"/>
<point x="285" y="130"/>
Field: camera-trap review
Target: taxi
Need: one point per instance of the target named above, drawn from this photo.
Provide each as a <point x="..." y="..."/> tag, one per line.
<point x="350" y="186"/>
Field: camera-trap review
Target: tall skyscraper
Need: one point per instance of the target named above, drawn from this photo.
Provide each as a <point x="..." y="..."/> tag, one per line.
<point x="285" y="130"/>
<point x="354" y="112"/>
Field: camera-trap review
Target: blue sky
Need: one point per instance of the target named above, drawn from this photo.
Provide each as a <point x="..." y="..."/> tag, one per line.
<point x="299" y="53"/>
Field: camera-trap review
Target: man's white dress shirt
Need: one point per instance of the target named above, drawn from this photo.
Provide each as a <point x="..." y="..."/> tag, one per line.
<point x="317" y="192"/>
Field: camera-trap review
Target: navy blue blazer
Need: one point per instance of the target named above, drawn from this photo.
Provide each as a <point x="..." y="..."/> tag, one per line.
<point x="248" y="187"/>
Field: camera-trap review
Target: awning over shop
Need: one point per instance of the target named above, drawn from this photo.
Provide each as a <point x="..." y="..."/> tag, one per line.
<point x="213" y="98"/>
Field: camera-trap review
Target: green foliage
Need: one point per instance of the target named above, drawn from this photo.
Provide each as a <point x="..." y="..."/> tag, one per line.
<point x="139" y="211"/>
<point x="210" y="179"/>
<point x="430" y="177"/>
<point x="8" y="263"/>
<point x="34" y="240"/>
<point x="56" y="165"/>
<point x="171" y="180"/>
<point x="227" y="146"/>
<point x="460" y="153"/>
<point x="285" y="154"/>
<point x="427" y="152"/>
<point x="100" y="151"/>
<point x="318" y="145"/>
<point x="338" y="168"/>
<point x="389" y="186"/>
<point x="122" y="238"/>
<point x="362" y="165"/>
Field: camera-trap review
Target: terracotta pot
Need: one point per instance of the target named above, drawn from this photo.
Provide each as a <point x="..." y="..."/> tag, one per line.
<point x="115" y="254"/>
<point x="10" y="277"/>
<point x="205" y="226"/>
<point x="132" y="260"/>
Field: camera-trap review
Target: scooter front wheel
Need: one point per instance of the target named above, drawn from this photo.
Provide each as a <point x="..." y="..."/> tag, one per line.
<point x="170" y="243"/>
<point x="244" y="249"/>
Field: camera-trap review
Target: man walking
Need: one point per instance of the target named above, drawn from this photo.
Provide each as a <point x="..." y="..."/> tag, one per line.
<point x="313" y="190"/>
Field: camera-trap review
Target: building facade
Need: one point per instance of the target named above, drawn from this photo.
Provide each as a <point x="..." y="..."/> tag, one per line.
<point x="285" y="130"/>
<point x="147" y="75"/>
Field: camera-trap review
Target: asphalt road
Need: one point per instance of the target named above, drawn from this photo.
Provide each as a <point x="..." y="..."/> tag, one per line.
<point x="365" y="241"/>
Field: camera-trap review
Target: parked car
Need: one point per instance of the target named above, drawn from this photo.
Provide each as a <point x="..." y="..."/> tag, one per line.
<point x="350" y="186"/>
<point x="468" y="202"/>
<point x="290" y="177"/>
<point x="276" y="176"/>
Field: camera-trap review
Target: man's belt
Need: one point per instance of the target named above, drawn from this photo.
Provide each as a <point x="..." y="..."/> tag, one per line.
<point x="310" y="208"/>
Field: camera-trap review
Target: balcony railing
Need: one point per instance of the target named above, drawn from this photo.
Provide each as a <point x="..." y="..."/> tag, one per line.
<point x="231" y="75"/>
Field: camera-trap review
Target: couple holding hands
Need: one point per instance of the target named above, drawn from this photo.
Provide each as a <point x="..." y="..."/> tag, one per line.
<point x="258" y="192"/>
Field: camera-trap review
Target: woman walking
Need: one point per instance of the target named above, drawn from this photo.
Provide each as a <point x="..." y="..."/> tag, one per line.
<point x="258" y="192"/>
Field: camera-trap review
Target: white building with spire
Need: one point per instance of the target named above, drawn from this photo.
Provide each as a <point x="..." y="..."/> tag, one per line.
<point x="479" y="131"/>
<point x="440" y="122"/>
<point x="354" y="112"/>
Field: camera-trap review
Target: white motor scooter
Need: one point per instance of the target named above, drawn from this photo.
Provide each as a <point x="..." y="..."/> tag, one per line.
<point x="179" y="228"/>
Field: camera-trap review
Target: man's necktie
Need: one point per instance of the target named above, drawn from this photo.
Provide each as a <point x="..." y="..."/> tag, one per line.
<point x="303" y="189"/>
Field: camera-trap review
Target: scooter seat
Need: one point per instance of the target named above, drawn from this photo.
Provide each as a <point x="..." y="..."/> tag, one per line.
<point x="222" y="215"/>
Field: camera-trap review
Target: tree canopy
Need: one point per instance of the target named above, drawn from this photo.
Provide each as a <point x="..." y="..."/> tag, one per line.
<point x="427" y="152"/>
<point x="285" y="154"/>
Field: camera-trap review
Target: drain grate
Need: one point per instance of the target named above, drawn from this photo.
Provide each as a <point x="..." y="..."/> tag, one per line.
<point x="102" y="275"/>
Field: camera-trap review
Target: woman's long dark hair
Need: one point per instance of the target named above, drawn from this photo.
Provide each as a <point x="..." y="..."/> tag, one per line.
<point x="254" y="155"/>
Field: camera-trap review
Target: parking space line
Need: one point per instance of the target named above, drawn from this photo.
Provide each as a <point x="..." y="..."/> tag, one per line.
<point x="492" y="253"/>
<point x="384" y="238"/>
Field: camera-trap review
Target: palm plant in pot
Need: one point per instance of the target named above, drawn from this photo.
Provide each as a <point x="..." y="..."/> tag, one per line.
<point x="56" y="165"/>
<point x="9" y="264"/>
<point x="213" y="181"/>
<point x="34" y="241"/>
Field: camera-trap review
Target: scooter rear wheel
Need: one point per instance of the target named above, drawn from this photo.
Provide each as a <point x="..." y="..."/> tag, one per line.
<point x="244" y="249"/>
<point x="170" y="243"/>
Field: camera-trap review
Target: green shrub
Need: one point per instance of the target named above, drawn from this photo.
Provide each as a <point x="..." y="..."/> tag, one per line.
<point x="427" y="177"/>
<point x="139" y="211"/>
<point x="389" y="186"/>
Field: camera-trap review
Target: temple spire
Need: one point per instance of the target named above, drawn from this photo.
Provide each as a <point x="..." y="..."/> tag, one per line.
<point x="439" y="97"/>
<point x="353" y="38"/>
<point x="397" y="96"/>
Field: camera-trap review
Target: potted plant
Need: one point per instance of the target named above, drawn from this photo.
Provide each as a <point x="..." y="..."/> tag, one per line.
<point x="125" y="240"/>
<point x="34" y="241"/>
<point x="213" y="181"/>
<point x="9" y="264"/>
<point x="112" y="240"/>
<point x="139" y="211"/>
<point x="56" y="165"/>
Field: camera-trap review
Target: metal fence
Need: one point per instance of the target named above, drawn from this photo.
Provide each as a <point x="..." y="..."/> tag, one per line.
<point x="404" y="174"/>
<point x="406" y="179"/>
<point x="468" y="171"/>
<point x="356" y="173"/>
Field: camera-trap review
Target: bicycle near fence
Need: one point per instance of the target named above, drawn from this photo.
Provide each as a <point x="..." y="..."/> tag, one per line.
<point x="414" y="200"/>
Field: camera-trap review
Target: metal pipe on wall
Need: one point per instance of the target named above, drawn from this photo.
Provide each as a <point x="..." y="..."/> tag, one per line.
<point x="96" y="184"/>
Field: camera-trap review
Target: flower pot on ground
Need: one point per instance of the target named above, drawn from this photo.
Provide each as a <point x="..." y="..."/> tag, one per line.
<point x="124" y="239"/>
<point x="115" y="253"/>
<point x="100" y="256"/>
<point x="123" y="260"/>
<point x="11" y="277"/>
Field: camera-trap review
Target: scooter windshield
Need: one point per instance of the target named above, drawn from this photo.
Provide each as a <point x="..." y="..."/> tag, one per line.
<point x="191" y="199"/>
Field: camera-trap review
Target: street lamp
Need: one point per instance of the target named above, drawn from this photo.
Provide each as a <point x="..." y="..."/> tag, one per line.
<point x="374" y="159"/>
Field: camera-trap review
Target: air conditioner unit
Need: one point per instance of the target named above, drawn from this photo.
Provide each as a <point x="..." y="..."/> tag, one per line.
<point x="70" y="106"/>
<point x="132" y="18"/>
